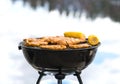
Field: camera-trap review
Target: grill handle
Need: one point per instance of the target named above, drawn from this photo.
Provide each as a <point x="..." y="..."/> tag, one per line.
<point x="20" y="46"/>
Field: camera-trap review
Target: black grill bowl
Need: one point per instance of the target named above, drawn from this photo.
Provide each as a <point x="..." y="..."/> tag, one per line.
<point x="68" y="60"/>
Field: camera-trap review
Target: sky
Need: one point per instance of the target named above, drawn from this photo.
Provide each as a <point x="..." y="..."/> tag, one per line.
<point x="18" y="22"/>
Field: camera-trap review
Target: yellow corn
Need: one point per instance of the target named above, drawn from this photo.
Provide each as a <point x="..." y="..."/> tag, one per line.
<point x="93" y="40"/>
<point x="75" y="35"/>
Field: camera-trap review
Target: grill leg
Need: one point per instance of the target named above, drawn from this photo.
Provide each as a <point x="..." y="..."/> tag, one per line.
<point x="59" y="81"/>
<point x="40" y="77"/>
<point x="60" y="77"/>
<point x="78" y="77"/>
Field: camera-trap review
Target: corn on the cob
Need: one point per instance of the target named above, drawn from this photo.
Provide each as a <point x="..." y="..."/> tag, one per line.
<point x="75" y="35"/>
<point x="93" y="40"/>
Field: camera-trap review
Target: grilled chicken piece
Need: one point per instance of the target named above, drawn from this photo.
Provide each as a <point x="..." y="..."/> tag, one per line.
<point x="85" y="45"/>
<point x="53" y="47"/>
<point x="34" y="42"/>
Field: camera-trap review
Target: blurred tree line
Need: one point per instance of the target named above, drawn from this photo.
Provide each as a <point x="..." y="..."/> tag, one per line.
<point x="92" y="8"/>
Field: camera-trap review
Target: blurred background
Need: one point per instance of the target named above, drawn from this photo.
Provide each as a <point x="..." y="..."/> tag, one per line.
<point x="21" y="19"/>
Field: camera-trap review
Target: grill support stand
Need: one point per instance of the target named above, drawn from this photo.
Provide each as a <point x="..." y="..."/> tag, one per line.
<point x="60" y="76"/>
<point x="78" y="77"/>
<point x="41" y="74"/>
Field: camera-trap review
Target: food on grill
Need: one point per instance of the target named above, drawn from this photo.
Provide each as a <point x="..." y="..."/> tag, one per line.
<point x="35" y="42"/>
<point x="71" y="40"/>
<point x="53" y="42"/>
<point x="62" y="40"/>
<point x="85" y="45"/>
<point x="93" y="40"/>
<point x="75" y="35"/>
<point x="53" y="47"/>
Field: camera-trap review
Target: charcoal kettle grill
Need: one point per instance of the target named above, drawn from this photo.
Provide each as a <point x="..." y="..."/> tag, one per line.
<point x="58" y="62"/>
